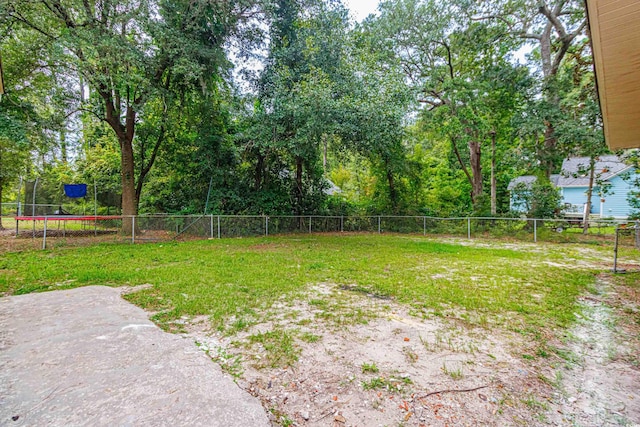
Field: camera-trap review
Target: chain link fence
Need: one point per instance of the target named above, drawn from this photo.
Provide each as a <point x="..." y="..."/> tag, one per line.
<point x="65" y="230"/>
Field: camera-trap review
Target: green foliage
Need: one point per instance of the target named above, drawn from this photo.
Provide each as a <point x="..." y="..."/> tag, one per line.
<point x="399" y="112"/>
<point x="541" y="199"/>
<point x="633" y="178"/>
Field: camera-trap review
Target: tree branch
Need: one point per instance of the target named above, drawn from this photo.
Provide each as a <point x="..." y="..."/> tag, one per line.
<point x="553" y="18"/>
<point x="146" y="168"/>
<point x="565" y="44"/>
<point x="85" y="110"/>
<point x="58" y="10"/>
<point x="525" y="35"/>
<point x="450" y="391"/>
<point x="29" y="24"/>
<point x="462" y="165"/>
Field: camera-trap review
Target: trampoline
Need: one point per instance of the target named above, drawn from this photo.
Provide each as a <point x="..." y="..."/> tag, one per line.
<point x="59" y="225"/>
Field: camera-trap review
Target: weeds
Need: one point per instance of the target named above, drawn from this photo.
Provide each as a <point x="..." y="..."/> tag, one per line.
<point x="391" y="384"/>
<point x="279" y="348"/>
<point x="410" y="355"/>
<point x="309" y="337"/>
<point x="455" y="373"/>
<point x="369" y="368"/>
<point x="229" y="363"/>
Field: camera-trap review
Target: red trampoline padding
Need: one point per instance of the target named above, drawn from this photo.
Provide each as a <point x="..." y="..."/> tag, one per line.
<point x="67" y="218"/>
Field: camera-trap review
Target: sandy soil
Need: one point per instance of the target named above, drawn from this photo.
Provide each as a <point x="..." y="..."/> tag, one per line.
<point x="431" y="372"/>
<point x="600" y="383"/>
<point x="437" y="371"/>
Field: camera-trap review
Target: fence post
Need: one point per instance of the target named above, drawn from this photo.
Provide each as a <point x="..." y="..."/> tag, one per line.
<point x="342" y="223"/>
<point x="309" y="224"/>
<point x="266" y="225"/>
<point x="535" y="231"/>
<point x="211" y="226"/>
<point x="469" y="228"/>
<point x="133" y="229"/>
<point x="424" y="225"/>
<point x="33" y="203"/>
<point x="218" y="226"/>
<point x="615" y="252"/>
<point x="638" y="234"/>
<point x="379" y="228"/>
<point x="44" y="235"/>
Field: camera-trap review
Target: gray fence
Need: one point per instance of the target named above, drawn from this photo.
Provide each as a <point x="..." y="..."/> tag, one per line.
<point x="47" y="230"/>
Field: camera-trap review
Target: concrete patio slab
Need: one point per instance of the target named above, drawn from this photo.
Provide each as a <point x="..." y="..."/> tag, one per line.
<point x="87" y="357"/>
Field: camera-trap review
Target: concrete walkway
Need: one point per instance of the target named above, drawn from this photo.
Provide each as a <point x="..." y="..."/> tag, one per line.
<point x="86" y="357"/>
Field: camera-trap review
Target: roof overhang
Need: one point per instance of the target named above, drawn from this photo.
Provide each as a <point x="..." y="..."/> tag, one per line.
<point x="615" y="38"/>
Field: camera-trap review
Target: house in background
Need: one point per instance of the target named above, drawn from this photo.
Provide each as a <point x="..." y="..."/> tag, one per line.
<point x="573" y="182"/>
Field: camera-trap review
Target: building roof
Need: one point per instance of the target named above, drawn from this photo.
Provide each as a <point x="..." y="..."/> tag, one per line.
<point x="528" y="180"/>
<point x="333" y="189"/>
<point x="615" y="39"/>
<point x="575" y="170"/>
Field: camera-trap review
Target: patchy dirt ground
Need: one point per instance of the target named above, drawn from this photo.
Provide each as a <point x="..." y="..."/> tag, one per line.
<point x="390" y="370"/>
<point x="342" y="357"/>
<point x="599" y="383"/>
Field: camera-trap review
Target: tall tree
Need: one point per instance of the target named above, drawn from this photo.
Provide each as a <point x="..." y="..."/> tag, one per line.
<point x="296" y="108"/>
<point x="553" y="28"/>
<point x="460" y="72"/>
<point x="129" y="53"/>
<point x="580" y="133"/>
<point x="27" y="127"/>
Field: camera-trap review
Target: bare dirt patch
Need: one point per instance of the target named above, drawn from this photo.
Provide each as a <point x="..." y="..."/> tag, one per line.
<point x="599" y="379"/>
<point x="367" y="361"/>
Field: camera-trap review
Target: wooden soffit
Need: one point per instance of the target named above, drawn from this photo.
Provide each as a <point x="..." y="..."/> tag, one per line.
<point x="615" y="37"/>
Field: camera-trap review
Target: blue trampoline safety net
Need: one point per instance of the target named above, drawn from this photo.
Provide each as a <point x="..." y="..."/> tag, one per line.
<point x="75" y="191"/>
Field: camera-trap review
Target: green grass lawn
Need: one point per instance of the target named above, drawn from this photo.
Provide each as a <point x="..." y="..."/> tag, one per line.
<point x="523" y="289"/>
<point x="8" y="222"/>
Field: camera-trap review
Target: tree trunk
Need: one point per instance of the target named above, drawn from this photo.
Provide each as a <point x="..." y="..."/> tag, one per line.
<point x="324" y="154"/>
<point x="393" y="194"/>
<point x="494" y="185"/>
<point x="1" y="185"/>
<point x="259" y="172"/>
<point x="129" y="199"/>
<point x="125" y="135"/>
<point x="592" y="175"/>
<point x="549" y="145"/>
<point x="63" y="146"/>
<point x="475" y="151"/>
<point x="298" y="185"/>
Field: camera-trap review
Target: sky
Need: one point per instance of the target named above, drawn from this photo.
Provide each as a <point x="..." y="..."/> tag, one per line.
<point x="360" y="9"/>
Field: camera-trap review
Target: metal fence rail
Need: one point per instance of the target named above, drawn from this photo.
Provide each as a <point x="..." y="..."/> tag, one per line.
<point x="79" y="230"/>
<point x="41" y="209"/>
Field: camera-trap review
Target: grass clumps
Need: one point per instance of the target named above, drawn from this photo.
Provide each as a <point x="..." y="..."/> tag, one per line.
<point x="383" y="383"/>
<point x="279" y="347"/>
<point x="235" y="281"/>
<point x="369" y="368"/>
